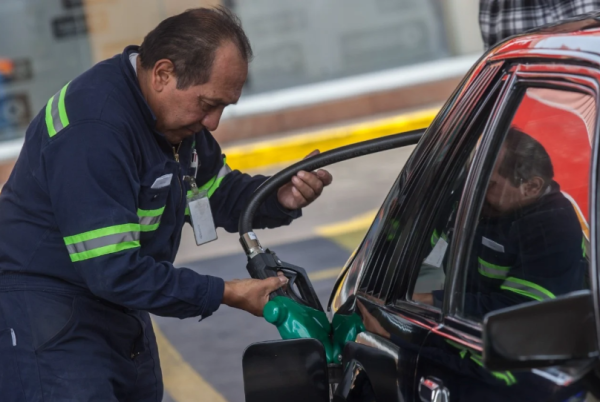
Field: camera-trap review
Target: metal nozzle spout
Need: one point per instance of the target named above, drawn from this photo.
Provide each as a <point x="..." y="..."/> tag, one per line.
<point x="251" y="244"/>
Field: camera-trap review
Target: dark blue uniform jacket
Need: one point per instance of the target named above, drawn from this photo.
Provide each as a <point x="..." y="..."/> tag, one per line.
<point x="80" y="209"/>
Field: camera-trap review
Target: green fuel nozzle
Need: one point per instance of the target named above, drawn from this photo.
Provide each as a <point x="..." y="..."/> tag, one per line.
<point x="294" y="320"/>
<point x="296" y="310"/>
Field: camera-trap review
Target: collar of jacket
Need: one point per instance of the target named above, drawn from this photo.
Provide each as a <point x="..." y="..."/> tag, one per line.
<point x="134" y="86"/>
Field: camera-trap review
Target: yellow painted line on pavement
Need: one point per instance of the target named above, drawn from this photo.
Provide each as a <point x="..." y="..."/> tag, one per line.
<point x="181" y="381"/>
<point x="359" y="222"/>
<point x="324" y="274"/>
<point x="294" y="148"/>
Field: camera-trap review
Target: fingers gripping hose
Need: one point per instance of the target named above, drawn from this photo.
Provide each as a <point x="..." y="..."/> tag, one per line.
<point x="263" y="263"/>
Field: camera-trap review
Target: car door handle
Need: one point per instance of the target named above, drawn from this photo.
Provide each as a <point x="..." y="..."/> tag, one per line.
<point x="432" y="389"/>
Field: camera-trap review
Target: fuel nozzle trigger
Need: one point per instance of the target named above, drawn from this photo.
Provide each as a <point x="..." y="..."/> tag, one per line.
<point x="267" y="264"/>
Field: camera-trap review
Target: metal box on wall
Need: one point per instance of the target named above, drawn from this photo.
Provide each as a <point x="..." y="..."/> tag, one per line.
<point x="44" y="45"/>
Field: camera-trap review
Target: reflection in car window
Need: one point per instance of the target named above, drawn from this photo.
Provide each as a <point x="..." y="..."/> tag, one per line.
<point x="434" y="255"/>
<point x="383" y="262"/>
<point x="434" y="251"/>
<point x="530" y="242"/>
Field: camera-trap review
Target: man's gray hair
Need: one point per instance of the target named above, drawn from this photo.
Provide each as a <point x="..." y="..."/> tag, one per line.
<point x="189" y="40"/>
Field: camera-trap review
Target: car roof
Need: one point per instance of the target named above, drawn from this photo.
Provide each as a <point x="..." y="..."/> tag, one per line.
<point x="581" y="34"/>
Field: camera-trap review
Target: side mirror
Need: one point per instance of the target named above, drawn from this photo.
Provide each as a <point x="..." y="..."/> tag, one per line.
<point x="292" y="370"/>
<point x="541" y="334"/>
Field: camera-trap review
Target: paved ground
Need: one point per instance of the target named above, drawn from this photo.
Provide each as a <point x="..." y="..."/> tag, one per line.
<point x="209" y="354"/>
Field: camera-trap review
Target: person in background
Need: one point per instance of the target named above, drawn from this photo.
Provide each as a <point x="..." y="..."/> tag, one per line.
<point x="500" y="19"/>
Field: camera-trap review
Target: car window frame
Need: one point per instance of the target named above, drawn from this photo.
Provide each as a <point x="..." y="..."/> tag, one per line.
<point x="542" y="74"/>
<point x="594" y="238"/>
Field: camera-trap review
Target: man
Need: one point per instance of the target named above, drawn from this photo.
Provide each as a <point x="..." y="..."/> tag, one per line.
<point x="91" y="217"/>
<point x="500" y="19"/>
<point x="528" y="243"/>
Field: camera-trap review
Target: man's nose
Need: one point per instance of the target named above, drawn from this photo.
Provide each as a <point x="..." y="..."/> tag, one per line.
<point x="211" y="120"/>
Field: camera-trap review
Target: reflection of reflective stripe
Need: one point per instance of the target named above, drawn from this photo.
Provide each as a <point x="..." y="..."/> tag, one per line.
<point x="434" y="238"/>
<point x="526" y="288"/>
<point x="56" y="113"/>
<point x="149" y="219"/>
<point x="492" y="271"/>
<point x="96" y="243"/>
<point x="505" y="376"/>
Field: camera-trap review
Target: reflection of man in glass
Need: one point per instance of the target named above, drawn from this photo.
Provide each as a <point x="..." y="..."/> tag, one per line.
<point x="528" y="242"/>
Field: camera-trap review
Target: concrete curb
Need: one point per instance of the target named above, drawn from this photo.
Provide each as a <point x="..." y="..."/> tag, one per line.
<point x="291" y="149"/>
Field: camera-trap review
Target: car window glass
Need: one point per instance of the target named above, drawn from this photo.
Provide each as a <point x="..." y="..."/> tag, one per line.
<point x="531" y="237"/>
<point x="384" y="245"/>
<point x="434" y="252"/>
<point x="438" y="226"/>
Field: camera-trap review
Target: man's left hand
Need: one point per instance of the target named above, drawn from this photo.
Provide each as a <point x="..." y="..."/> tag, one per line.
<point x="304" y="188"/>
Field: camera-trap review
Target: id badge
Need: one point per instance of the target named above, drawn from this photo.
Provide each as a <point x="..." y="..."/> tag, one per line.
<point x="201" y="215"/>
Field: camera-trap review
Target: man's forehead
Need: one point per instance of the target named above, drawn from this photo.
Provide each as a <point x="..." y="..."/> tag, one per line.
<point x="224" y="98"/>
<point x="223" y="87"/>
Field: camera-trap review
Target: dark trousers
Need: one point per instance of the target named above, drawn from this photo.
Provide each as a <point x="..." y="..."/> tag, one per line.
<point x="56" y="346"/>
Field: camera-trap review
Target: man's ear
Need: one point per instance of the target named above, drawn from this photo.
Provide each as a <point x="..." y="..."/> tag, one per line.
<point x="533" y="187"/>
<point x="163" y="73"/>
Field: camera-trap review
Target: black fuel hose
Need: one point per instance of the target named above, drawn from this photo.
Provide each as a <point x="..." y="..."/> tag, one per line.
<point x="272" y="184"/>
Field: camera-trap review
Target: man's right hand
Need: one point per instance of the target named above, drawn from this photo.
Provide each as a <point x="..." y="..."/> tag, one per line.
<point x="251" y="295"/>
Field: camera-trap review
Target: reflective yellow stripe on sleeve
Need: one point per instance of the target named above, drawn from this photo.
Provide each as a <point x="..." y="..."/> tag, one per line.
<point x="99" y="242"/>
<point x="56" y="112"/>
<point x="150" y="218"/>
<point x="213" y="184"/>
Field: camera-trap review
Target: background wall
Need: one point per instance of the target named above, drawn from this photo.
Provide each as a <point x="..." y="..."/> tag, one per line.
<point x="46" y="43"/>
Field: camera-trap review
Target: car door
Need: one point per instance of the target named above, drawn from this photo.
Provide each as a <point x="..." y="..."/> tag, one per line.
<point x="518" y="233"/>
<point x="381" y="364"/>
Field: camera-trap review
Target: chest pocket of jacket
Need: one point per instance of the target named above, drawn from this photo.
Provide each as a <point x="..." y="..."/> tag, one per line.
<point x="152" y="202"/>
